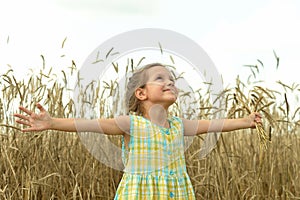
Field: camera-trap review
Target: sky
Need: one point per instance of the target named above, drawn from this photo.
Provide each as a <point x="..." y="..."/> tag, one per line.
<point x="233" y="33"/>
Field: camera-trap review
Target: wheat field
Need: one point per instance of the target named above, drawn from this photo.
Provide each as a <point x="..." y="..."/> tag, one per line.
<point x="56" y="165"/>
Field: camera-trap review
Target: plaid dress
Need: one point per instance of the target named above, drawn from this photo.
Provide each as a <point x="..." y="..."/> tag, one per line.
<point x="154" y="162"/>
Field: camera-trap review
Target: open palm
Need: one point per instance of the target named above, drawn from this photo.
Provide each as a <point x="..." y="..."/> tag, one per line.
<point x="36" y="122"/>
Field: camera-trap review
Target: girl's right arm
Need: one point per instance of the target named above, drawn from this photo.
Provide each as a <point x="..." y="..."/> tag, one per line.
<point x="43" y="121"/>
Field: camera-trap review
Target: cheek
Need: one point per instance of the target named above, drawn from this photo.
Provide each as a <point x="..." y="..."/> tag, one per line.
<point x="176" y="91"/>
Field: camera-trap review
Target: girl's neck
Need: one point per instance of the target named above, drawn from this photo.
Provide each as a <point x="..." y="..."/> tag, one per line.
<point x="157" y="114"/>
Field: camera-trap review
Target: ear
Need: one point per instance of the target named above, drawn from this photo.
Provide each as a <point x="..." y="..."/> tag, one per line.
<point x="140" y="93"/>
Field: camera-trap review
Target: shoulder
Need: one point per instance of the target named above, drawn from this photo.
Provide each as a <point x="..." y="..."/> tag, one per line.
<point x="177" y="123"/>
<point x="176" y="119"/>
<point x="128" y="122"/>
<point x="123" y="122"/>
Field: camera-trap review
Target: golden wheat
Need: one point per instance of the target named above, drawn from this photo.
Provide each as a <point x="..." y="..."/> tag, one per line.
<point x="55" y="165"/>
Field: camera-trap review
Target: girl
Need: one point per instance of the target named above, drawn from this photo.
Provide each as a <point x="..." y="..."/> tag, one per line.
<point x="153" y="143"/>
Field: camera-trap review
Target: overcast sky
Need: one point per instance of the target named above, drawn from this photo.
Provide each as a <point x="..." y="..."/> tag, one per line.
<point x="233" y="33"/>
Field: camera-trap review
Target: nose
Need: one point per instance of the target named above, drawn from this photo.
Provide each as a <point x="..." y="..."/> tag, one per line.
<point x="170" y="83"/>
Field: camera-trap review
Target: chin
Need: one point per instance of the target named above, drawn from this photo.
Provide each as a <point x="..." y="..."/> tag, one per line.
<point x="172" y="101"/>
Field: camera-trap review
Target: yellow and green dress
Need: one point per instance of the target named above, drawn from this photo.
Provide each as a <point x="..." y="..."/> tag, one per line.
<point x="154" y="162"/>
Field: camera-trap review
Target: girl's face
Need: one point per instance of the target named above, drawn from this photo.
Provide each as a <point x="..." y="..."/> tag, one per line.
<point x="160" y="86"/>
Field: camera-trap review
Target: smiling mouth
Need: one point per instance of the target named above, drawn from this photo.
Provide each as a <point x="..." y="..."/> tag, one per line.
<point x="170" y="90"/>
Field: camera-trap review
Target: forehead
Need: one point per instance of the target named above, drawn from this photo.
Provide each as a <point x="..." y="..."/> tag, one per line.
<point x="158" y="70"/>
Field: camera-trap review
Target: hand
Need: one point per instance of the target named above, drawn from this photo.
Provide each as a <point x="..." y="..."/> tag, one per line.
<point x="36" y="122"/>
<point x="254" y="118"/>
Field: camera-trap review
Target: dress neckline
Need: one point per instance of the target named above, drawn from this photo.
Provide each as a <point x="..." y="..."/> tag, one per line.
<point x="169" y="121"/>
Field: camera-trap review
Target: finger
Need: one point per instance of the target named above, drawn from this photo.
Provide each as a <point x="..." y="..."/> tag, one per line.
<point x="258" y="115"/>
<point x="29" y="129"/>
<point x="23" y="122"/>
<point x="40" y="107"/>
<point x="29" y="112"/>
<point x="257" y="119"/>
<point x="21" y="116"/>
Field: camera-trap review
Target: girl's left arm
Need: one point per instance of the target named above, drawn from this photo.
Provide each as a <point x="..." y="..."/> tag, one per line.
<point x="196" y="127"/>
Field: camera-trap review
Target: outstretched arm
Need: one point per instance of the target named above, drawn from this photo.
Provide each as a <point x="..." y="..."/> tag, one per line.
<point x="196" y="127"/>
<point x="43" y="121"/>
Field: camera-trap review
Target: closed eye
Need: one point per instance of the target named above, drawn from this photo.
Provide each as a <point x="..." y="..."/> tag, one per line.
<point x="159" y="78"/>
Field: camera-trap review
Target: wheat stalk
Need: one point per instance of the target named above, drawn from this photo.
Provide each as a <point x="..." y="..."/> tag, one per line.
<point x="262" y="136"/>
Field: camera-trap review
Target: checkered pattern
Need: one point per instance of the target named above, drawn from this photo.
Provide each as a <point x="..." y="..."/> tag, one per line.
<point x="155" y="164"/>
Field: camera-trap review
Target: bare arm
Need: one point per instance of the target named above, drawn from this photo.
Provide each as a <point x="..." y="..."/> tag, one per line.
<point x="196" y="127"/>
<point x="43" y="121"/>
<point x="106" y="126"/>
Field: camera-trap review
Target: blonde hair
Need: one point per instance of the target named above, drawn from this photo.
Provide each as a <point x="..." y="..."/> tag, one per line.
<point x="137" y="80"/>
